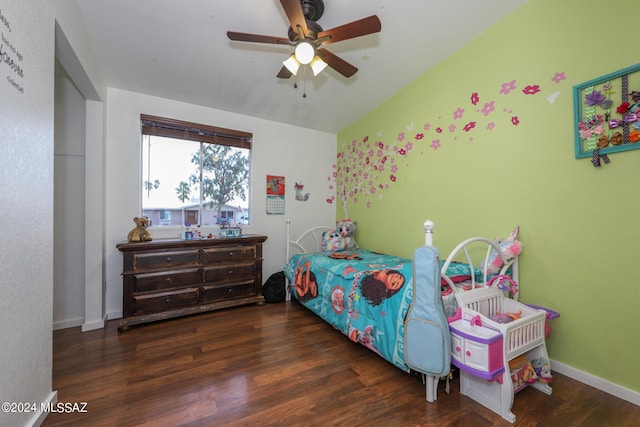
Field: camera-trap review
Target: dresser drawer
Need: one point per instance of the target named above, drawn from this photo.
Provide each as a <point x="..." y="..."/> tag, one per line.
<point x="156" y="302"/>
<point x="223" y="292"/>
<point x="164" y="280"/>
<point x="158" y="260"/>
<point x="230" y="273"/>
<point x="228" y="254"/>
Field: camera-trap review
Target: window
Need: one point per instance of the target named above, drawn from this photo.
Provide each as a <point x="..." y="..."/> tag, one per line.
<point x="165" y="217"/>
<point x="194" y="174"/>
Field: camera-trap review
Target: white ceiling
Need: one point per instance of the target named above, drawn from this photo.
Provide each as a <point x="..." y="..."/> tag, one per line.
<point x="179" y="50"/>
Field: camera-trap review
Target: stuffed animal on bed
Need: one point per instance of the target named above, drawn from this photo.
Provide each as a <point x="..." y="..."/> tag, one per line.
<point x="332" y="241"/>
<point x="347" y="230"/>
<point x="511" y="248"/>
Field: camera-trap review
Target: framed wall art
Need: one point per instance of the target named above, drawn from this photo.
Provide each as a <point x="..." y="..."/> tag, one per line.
<point x="607" y="113"/>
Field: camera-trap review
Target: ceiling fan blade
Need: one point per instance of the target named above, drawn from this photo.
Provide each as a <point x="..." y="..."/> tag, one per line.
<point x="358" y="28"/>
<point x="293" y="9"/>
<point x="337" y="63"/>
<point x="256" y="38"/>
<point x="284" y="73"/>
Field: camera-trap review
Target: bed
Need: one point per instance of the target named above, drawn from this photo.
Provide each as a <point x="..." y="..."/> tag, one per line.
<point x="397" y="307"/>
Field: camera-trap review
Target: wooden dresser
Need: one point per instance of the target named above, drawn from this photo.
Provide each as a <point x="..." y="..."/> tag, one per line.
<point x="168" y="278"/>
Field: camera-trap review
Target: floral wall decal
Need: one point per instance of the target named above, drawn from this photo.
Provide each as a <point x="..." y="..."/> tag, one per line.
<point x="364" y="169"/>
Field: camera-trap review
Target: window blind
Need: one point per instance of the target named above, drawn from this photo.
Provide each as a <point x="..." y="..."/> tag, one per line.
<point x="172" y="128"/>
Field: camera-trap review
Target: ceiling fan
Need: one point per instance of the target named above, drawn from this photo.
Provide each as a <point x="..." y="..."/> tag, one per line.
<point x="308" y="37"/>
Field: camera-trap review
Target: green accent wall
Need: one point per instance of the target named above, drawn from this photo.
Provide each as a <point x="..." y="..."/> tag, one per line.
<point x="515" y="165"/>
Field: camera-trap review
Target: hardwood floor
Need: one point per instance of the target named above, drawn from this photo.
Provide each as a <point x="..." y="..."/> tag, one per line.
<point x="277" y="364"/>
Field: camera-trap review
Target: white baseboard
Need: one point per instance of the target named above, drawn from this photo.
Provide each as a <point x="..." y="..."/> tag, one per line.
<point x="90" y="326"/>
<point x="114" y="315"/>
<point x="39" y="417"/>
<point x="69" y="323"/>
<point x="86" y="326"/>
<point x="596" y="382"/>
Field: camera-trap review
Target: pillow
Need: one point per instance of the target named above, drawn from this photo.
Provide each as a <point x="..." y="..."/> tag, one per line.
<point x="332" y="241"/>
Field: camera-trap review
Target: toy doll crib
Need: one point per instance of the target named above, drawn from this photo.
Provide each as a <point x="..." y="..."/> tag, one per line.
<point x="483" y="343"/>
<point x="482" y="348"/>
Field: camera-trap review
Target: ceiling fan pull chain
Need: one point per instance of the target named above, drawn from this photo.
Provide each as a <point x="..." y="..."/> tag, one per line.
<point x="304" y="82"/>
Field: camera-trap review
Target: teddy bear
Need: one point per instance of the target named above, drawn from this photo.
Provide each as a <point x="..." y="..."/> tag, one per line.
<point x="140" y="233"/>
<point x="347" y="230"/>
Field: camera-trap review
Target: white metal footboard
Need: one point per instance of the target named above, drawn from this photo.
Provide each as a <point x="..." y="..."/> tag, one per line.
<point x="465" y="249"/>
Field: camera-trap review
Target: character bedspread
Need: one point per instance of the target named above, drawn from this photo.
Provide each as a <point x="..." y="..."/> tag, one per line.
<point x="363" y="294"/>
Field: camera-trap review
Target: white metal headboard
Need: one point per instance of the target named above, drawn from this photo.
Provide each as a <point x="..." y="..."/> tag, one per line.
<point x="312" y="236"/>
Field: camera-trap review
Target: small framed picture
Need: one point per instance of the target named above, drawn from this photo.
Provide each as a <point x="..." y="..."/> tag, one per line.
<point x="607" y="113"/>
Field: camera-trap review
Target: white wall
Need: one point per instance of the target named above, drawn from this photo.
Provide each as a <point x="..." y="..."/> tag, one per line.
<point x="75" y="54"/>
<point x="69" y="203"/>
<point x="26" y="206"/>
<point x="299" y="154"/>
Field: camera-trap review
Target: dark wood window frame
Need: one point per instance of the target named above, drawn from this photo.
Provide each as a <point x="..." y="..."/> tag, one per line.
<point x="179" y="129"/>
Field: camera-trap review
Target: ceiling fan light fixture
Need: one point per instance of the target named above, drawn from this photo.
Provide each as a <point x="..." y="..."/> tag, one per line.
<point x="307" y="38"/>
<point x="305" y="52"/>
<point x="317" y="65"/>
<point x="292" y="64"/>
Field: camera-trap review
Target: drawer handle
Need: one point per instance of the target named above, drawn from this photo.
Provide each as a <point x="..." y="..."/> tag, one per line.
<point x="458" y="348"/>
<point x="168" y="300"/>
<point x="230" y="272"/>
<point x="230" y="291"/>
<point x="168" y="259"/>
<point x="468" y="353"/>
<point x="169" y="280"/>
<point x="230" y="253"/>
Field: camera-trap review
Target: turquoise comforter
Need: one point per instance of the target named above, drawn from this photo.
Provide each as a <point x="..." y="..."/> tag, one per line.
<point x="363" y="294"/>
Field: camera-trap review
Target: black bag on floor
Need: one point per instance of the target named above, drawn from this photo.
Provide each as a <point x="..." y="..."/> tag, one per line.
<point x="273" y="289"/>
